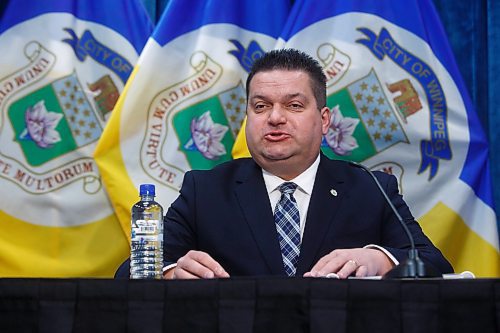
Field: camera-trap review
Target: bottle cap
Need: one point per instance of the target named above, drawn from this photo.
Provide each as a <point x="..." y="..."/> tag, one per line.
<point x="147" y="189"/>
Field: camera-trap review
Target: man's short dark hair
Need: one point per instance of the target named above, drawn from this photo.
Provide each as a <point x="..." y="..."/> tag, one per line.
<point x="292" y="59"/>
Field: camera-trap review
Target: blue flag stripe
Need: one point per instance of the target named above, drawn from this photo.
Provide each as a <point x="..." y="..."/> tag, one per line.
<point x="245" y="14"/>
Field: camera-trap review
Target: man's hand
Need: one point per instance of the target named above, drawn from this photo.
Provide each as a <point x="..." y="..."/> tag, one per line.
<point x="346" y="262"/>
<point x="196" y="265"/>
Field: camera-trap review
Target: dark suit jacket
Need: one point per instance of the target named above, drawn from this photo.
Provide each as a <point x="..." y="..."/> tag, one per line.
<point x="226" y="212"/>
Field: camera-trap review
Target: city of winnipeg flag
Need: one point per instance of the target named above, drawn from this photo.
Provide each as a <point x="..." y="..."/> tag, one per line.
<point x="398" y="104"/>
<point x="63" y="66"/>
<point x="184" y="103"/>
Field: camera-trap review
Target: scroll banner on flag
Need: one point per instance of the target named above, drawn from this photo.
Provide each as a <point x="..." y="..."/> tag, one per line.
<point x="183" y="106"/>
<point x="398" y="104"/>
<point x="57" y="91"/>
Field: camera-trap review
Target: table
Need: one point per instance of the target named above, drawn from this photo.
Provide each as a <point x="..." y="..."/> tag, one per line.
<point x="267" y="304"/>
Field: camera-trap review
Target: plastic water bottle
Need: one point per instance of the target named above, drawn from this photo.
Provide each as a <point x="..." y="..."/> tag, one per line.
<point x="146" y="255"/>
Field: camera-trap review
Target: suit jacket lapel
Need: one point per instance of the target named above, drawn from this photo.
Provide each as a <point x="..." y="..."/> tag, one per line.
<point x="328" y="192"/>
<point x="252" y="196"/>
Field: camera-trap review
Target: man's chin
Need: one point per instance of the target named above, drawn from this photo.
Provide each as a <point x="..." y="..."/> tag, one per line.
<point x="277" y="157"/>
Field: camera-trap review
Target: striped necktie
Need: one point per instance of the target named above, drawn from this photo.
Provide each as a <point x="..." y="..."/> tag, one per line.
<point x="286" y="216"/>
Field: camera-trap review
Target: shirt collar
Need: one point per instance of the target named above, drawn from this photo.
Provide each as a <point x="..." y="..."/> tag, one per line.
<point x="305" y="180"/>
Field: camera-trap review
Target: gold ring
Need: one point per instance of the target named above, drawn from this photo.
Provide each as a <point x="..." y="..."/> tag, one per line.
<point x="354" y="262"/>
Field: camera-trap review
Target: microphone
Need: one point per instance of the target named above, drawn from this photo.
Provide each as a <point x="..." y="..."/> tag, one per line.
<point x="413" y="267"/>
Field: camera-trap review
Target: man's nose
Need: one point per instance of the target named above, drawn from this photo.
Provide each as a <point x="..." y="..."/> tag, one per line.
<point x="277" y="115"/>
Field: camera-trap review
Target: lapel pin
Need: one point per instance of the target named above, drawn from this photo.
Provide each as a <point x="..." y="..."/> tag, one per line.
<point x="333" y="192"/>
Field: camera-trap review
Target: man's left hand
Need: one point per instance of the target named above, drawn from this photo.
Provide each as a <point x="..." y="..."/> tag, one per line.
<point x="352" y="262"/>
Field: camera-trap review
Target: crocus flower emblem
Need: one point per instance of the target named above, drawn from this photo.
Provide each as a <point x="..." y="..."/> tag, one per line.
<point x="207" y="136"/>
<point x="41" y="125"/>
<point x="339" y="136"/>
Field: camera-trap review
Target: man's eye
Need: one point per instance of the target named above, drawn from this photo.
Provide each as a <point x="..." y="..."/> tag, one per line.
<point x="259" y="107"/>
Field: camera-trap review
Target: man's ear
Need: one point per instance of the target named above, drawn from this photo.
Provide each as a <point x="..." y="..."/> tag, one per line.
<point x="325" y="119"/>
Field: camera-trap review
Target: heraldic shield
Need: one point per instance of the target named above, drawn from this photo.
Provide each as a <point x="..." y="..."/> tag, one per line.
<point x="54" y="120"/>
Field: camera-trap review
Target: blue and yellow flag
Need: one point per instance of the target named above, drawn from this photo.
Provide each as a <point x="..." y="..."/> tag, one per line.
<point x="184" y="104"/>
<point x="63" y="66"/>
<point x="398" y="104"/>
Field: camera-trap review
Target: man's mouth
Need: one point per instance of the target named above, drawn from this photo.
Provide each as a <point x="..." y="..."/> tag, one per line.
<point x="276" y="136"/>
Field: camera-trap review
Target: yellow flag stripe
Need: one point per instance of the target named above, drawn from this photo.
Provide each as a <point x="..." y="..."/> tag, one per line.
<point x="91" y="250"/>
<point x="464" y="248"/>
<point x="240" y="148"/>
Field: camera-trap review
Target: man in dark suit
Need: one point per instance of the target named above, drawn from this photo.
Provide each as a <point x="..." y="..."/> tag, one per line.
<point x="335" y="220"/>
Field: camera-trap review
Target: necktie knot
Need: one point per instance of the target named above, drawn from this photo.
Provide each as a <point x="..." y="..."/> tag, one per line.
<point x="287" y="188"/>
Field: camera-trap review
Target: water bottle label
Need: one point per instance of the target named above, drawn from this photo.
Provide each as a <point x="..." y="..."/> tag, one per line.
<point x="147" y="226"/>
